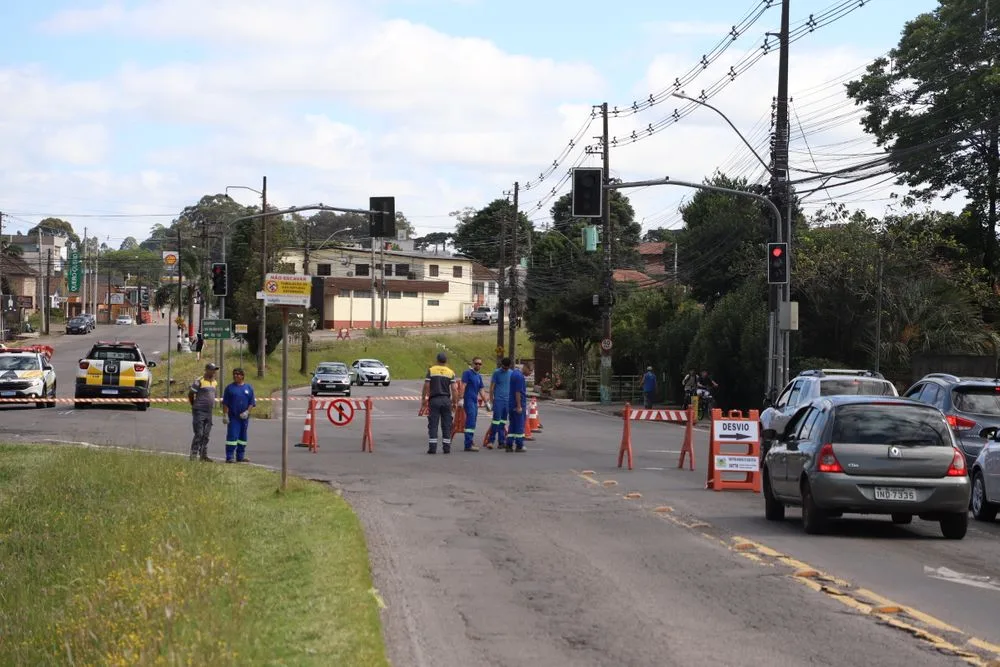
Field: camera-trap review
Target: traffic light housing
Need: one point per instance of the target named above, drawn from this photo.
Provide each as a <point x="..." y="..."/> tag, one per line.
<point x="382" y="219"/>
<point x="144" y="297"/>
<point x="588" y="192"/>
<point x="220" y="279"/>
<point x="777" y="263"/>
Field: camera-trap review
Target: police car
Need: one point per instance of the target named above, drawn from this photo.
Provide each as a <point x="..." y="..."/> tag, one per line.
<point x="114" y="369"/>
<point x="27" y="372"/>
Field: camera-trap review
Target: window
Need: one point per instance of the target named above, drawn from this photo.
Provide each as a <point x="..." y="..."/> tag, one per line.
<point x="402" y="269"/>
<point x="477" y="289"/>
<point x="346" y="293"/>
<point x="492" y="288"/>
<point x="977" y="400"/>
<point x="395" y="295"/>
<point x="410" y="295"/>
<point x="432" y="270"/>
<point x="456" y="272"/>
<point x="894" y="424"/>
<point x="362" y="294"/>
<point x="388" y="269"/>
<point x="433" y="302"/>
<point x="856" y="387"/>
<point x="361" y="269"/>
<point x="323" y="270"/>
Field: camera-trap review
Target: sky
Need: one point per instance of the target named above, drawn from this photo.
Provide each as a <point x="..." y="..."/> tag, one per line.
<point x="118" y="114"/>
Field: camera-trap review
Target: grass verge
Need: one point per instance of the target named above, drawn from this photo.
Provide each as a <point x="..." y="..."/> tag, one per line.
<point x="124" y="558"/>
<point x="406" y="356"/>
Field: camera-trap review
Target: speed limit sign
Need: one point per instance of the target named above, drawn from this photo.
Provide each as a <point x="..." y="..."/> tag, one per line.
<point x="606" y="344"/>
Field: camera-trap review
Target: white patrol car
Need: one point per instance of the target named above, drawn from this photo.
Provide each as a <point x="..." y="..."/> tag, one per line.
<point x="27" y="372"/>
<point x="114" y="369"/>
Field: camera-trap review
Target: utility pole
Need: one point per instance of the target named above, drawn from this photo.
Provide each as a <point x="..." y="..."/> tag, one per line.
<point x="784" y="185"/>
<point x="304" y="362"/>
<point x="48" y="274"/>
<point x="501" y="291"/>
<point x="878" y="314"/>
<point x="83" y="262"/>
<point x="262" y="334"/>
<point x="3" y="312"/>
<point x="608" y="269"/>
<point x="382" y="294"/>
<point x="514" y="304"/>
<point x="180" y="281"/>
<point x="374" y="283"/>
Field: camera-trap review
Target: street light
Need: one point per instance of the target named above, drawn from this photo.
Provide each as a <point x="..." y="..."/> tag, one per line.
<point x="777" y="340"/>
<point x="262" y="337"/>
<point x="339" y="231"/>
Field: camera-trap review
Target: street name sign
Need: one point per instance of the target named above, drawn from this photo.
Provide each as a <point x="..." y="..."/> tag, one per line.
<point x="217" y="329"/>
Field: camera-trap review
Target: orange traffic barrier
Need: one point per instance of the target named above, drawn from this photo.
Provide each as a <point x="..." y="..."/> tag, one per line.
<point x="458" y="423"/>
<point x="687" y="449"/>
<point x="309" y="429"/>
<point x="367" y="439"/>
<point x="671" y="416"/>
<point x="626" y="446"/>
<point x="734" y="447"/>
<point x="343" y="334"/>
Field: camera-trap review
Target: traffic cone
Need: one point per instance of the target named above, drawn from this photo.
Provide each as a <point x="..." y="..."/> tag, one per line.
<point x="532" y="423"/>
<point x="308" y="430"/>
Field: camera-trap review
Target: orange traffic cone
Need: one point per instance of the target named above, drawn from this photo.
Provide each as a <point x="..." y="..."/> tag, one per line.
<point x="536" y="425"/>
<point x="309" y="429"/>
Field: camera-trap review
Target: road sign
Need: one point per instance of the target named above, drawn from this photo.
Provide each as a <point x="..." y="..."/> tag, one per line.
<point x="287" y="289"/>
<point x="217" y="329"/>
<point x="736" y="430"/>
<point x="73" y="273"/>
<point x="606" y="344"/>
<point x="241" y="329"/>
<point x="170" y="260"/>
<point x="730" y="463"/>
<point x="340" y="412"/>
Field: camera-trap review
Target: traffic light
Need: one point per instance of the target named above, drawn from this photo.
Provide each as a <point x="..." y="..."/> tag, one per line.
<point x="144" y="297"/>
<point x="220" y="279"/>
<point x="382" y="221"/>
<point x="588" y="192"/>
<point x="777" y="263"/>
<point x="590" y="238"/>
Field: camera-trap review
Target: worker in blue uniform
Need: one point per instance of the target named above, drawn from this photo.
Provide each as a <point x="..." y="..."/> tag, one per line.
<point x="237" y="402"/>
<point x="499" y="396"/>
<point x="517" y="409"/>
<point x="473" y="391"/>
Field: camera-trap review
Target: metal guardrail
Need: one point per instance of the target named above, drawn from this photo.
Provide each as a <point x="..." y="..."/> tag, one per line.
<point x="623" y="388"/>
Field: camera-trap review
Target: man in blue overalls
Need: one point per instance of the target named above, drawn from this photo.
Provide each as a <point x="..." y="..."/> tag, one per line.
<point x="499" y="396"/>
<point x="518" y="405"/>
<point x="472" y="381"/>
<point x="237" y="401"/>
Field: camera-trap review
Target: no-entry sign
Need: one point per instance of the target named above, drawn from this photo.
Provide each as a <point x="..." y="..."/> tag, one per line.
<point x="340" y="412"/>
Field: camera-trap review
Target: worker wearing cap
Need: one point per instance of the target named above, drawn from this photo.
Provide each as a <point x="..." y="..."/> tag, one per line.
<point x="237" y="402"/>
<point x="474" y="391"/>
<point x="201" y="396"/>
<point x="440" y="398"/>
<point x="517" y="408"/>
<point x="499" y="396"/>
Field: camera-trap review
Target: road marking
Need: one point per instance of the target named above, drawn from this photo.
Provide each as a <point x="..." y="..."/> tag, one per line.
<point x="652" y="468"/>
<point x="663" y="451"/>
<point x="946" y="638"/>
<point x="974" y="580"/>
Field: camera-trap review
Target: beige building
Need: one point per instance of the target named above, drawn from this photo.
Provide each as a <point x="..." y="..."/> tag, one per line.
<point x="415" y="288"/>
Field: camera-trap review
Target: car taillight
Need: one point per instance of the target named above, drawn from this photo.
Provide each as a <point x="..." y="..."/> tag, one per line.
<point x="957" y="467"/>
<point x="960" y="423"/>
<point x="84" y="365"/>
<point x="828" y="460"/>
<point x="138" y="368"/>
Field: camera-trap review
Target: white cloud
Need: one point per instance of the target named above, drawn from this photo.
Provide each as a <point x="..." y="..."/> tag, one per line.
<point x="78" y="144"/>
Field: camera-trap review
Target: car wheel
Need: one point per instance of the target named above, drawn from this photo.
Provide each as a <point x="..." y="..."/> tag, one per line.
<point x="982" y="509"/>
<point x="814" y="519"/>
<point x="385" y="384"/>
<point x="52" y="397"/>
<point x="348" y="393"/>
<point x="955" y="525"/>
<point x="77" y="405"/>
<point x="142" y="406"/>
<point x="774" y="510"/>
<point x="901" y="519"/>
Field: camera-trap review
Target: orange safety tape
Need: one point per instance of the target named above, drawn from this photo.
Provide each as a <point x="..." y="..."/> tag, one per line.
<point x="182" y="400"/>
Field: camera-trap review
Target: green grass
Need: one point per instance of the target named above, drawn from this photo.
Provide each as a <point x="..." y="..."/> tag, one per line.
<point x="407" y="357"/>
<point x="129" y="558"/>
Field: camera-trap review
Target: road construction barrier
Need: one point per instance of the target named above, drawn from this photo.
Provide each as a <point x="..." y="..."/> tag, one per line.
<point x="132" y="401"/>
<point x="532" y="423"/>
<point x="343" y="334"/>
<point x="734" y="448"/>
<point x="685" y="417"/>
<point x="340" y="412"/>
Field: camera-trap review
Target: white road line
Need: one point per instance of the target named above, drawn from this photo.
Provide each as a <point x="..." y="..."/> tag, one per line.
<point x="663" y="451"/>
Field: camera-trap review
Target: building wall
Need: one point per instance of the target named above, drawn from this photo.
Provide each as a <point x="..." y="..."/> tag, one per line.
<point x="412" y="310"/>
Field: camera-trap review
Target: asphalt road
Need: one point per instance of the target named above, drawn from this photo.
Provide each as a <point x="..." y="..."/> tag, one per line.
<point x="491" y="558"/>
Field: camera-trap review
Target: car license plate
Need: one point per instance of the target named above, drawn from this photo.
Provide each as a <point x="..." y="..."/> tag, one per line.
<point x="109" y="392"/>
<point x="895" y="493"/>
<point x="8" y="393"/>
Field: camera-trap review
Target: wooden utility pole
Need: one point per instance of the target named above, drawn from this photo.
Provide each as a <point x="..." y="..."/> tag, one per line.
<point x="606" y="368"/>
<point x="515" y="306"/>
<point x="262" y="334"/>
<point x="501" y="291"/>
<point x="48" y="298"/>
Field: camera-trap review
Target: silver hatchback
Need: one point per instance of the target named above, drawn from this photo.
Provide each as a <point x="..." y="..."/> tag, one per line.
<point x="867" y="455"/>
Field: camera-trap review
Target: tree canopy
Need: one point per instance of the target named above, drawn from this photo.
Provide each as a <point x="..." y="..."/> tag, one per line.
<point x="479" y="235"/>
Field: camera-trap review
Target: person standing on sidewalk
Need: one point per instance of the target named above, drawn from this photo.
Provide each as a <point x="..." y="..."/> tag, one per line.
<point x="201" y="396"/>
<point x="237" y="401"/>
<point x="499" y="397"/>
<point x="472" y="381"/>
<point x="440" y="397"/>
<point x="649" y="388"/>
<point x="517" y="409"/>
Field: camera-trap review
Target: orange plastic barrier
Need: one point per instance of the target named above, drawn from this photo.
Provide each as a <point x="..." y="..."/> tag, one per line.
<point x="671" y="416"/>
<point x="340" y="411"/>
<point x="734" y="448"/>
<point x="343" y="334"/>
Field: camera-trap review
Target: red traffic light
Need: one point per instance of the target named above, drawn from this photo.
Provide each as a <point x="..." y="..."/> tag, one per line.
<point x="777" y="251"/>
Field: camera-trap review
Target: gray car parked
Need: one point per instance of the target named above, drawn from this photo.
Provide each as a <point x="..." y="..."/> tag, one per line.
<point x="970" y="404"/>
<point x="868" y="455"/>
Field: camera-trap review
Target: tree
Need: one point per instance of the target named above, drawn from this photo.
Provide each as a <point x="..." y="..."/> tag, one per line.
<point x="402" y="223"/>
<point x="479" y="236"/>
<point x="129" y="243"/>
<point x="625" y="230"/>
<point x="55" y="227"/>
<point x="437" y="240"/>
<point x="659" y="234"/>
<point x="10" y="249"/>
<point x="934" y="103"/>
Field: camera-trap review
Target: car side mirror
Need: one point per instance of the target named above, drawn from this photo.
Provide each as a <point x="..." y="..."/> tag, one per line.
<point x="46" y="367"/>
<point x="792" y="443"/>
<point x="769" y="434"/>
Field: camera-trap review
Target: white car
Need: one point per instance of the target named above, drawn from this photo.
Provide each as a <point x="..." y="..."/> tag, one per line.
<point x="125" y="319"/>
<point x="369" y="370"/>
<point x="26" y="372"/>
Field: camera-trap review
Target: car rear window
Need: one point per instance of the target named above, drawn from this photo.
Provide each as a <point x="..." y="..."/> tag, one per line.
<point x="115" y="354"/>
<point x="977" y="400"/>
<point x="332" y="368"/>
<point x="856" y="387"/>
<point x="893" y="424"/>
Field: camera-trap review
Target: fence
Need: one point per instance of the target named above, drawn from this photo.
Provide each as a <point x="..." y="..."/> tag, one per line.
<point x="623" y="388"/>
